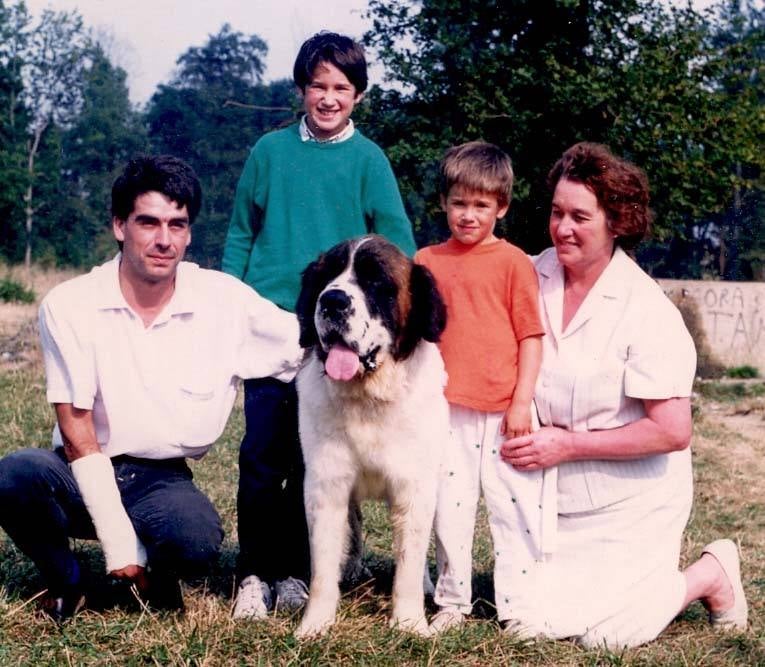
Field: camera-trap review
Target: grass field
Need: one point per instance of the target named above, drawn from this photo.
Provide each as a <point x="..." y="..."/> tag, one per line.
<point x="729" y="457"/>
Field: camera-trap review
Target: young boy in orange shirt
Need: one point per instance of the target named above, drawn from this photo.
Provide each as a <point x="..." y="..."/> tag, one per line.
<point x="492" y="349"/>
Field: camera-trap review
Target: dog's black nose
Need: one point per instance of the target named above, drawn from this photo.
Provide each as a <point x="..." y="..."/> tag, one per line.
<point x="334" y="301"/>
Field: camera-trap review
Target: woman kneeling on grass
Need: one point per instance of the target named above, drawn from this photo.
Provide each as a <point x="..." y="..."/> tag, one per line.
<point x="613" y="398"/>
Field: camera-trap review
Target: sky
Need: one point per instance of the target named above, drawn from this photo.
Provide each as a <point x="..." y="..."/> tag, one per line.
<point x="146" y="37"/>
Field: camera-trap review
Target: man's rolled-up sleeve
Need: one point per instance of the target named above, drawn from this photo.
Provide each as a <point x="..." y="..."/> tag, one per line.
<point x="68" y="357"/>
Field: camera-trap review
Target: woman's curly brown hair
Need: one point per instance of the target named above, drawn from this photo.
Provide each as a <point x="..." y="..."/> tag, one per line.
<point x="620" y="187"/>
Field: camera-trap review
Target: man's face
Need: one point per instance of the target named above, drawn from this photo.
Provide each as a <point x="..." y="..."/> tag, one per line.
<point x="154" y="237"/>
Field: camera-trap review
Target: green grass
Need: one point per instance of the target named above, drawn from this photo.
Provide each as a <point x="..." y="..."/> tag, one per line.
<point x="728" y="502"/>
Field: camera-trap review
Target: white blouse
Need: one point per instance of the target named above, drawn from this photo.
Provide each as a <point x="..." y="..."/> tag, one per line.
<point x="627" y="342"/>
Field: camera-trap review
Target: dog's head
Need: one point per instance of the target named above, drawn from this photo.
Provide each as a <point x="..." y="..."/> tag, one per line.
<point x="363" y="302"/>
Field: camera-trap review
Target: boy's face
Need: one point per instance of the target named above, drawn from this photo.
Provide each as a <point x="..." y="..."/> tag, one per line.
<point x="328" y="101"/>
<point x="472" y="215"/>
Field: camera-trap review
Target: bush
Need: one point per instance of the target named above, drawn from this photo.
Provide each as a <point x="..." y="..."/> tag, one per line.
<point x="728" y="391"/>
<point x="13" y="291"/>
<point x="742" y="372"/>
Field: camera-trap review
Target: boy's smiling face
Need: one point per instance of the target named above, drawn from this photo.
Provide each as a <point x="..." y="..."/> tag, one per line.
<point x="328" y="101"/>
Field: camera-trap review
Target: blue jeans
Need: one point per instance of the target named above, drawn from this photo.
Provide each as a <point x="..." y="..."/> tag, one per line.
<point x="41" y="508"/>
<point x="273" y="537"/>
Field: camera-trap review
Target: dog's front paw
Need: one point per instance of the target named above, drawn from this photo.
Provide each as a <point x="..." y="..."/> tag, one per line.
<point x="313" y="626"/>
<point x="412" y="624"/>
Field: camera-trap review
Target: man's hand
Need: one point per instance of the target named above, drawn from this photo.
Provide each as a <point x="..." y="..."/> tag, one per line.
<point x="134" y="573"/>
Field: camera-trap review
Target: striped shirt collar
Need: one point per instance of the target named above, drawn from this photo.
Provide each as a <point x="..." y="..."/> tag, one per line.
<point x="343" y="135"/>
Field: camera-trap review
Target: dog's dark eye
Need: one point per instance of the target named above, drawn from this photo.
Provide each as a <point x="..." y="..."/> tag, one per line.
<point x="373" y="277"/>
<point x="334" y="263"/>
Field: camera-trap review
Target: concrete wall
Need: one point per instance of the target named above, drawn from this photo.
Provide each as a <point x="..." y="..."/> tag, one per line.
<point x="732" y="316"/>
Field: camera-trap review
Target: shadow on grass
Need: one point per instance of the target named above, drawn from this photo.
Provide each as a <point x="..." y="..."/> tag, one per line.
<point x="21" y="580"/>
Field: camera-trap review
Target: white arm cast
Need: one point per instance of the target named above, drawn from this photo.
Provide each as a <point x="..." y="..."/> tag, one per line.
<point x="94" y="475"/>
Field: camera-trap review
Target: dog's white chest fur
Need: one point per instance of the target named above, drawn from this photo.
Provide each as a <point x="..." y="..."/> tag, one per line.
<point x="390" y="425"/>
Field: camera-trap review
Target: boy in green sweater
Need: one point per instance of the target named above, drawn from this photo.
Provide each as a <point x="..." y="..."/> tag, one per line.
<point x="303" y="189"/>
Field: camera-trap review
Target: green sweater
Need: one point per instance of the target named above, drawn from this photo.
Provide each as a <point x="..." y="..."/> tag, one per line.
<point x="296" y="199"/>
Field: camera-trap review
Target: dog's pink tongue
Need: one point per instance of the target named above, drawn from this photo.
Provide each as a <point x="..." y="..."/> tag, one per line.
<point x="342" y="363"/>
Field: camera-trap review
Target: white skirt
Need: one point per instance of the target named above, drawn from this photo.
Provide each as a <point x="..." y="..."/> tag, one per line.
<point x="614" y="578"/>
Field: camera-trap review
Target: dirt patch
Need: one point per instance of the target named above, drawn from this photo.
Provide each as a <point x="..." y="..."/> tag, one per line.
<point x="739" y="442"/>
<point x="747" y="413"/>
<point x="20" y="348"/>
<point x="18" y="321"/>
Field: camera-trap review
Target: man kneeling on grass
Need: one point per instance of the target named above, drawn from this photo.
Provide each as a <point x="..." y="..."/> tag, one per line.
<point x="142" y="357"/>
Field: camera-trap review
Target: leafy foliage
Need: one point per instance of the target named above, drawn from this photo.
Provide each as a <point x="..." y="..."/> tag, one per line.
<point x="106" y="133"/>
<point x="678" y="91"/>
<point x="746" y="371"/>
<point x="534" y="77"/>
<point x="13" y="291"/>
<point x="55" y="57"/>
<point x="210" y="115"/>
<point x="13" y="122"/>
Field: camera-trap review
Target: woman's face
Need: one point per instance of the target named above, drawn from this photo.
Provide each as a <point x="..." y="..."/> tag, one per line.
<point x="578" y="227"/>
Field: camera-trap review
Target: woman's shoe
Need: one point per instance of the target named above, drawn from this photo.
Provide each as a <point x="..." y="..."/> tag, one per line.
<point x="725" y="552"/>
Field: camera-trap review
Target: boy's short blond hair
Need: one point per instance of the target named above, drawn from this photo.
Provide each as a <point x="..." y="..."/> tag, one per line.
<point x="480" y="166"/>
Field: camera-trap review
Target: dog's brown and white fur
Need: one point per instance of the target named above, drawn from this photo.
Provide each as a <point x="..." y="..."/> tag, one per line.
<point x="378" y="429"/>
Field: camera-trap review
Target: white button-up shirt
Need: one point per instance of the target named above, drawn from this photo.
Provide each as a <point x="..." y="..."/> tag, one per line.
<point x="627" y="342"/>
<point x="165" y="390"/>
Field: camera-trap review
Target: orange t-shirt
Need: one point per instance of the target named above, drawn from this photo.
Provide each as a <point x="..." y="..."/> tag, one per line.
<point x="491" y="295"/>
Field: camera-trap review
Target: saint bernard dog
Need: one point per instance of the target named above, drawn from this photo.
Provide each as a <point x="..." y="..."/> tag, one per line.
<point x="373" y="417"/>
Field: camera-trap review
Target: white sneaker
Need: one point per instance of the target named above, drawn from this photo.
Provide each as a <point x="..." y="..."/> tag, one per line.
<point x="291" y="594"/>
<point x="253" y="599"/>
<point x="445" y="619"/>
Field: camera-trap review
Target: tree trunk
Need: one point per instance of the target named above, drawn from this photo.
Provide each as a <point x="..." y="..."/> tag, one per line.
<point x="29" y="209"/>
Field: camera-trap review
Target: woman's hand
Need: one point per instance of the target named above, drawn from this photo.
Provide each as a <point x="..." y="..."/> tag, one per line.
<point x="541" y="449"/>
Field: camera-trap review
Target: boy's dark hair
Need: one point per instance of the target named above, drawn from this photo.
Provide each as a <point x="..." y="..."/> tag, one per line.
<point x="480" y="166"/>
<point x="620" y="187"/>
<point x="165" y="174"/>
<point x="329" y="47"/>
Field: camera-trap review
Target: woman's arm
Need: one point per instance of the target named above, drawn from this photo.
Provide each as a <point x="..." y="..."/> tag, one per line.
<point x="666" y="427"/>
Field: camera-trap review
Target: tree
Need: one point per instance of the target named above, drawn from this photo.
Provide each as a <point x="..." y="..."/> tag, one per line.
<point x="535" y="76"/>
<point x="741" y="35"/>
<point x="211" y="114"/>
<point x="13" y="120"/>
<point x="54" y="60"/>
<point x="103" y="136"/>
<point x="229" y="60"/>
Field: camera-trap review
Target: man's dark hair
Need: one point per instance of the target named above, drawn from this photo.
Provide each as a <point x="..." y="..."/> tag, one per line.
<point x="165" y="174"/>
<point x="329" y="47"/>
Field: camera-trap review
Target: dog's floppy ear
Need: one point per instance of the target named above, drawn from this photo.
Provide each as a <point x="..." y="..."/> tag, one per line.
<point x="310" y="288"/>
<point x="428" y="308"/>
<point x="427" y="315"/>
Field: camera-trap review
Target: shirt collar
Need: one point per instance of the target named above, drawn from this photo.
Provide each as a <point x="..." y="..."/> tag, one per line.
<point x="343" y="135"/>
<point x="109" y="295"/>
<point x="609" y="283"/>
